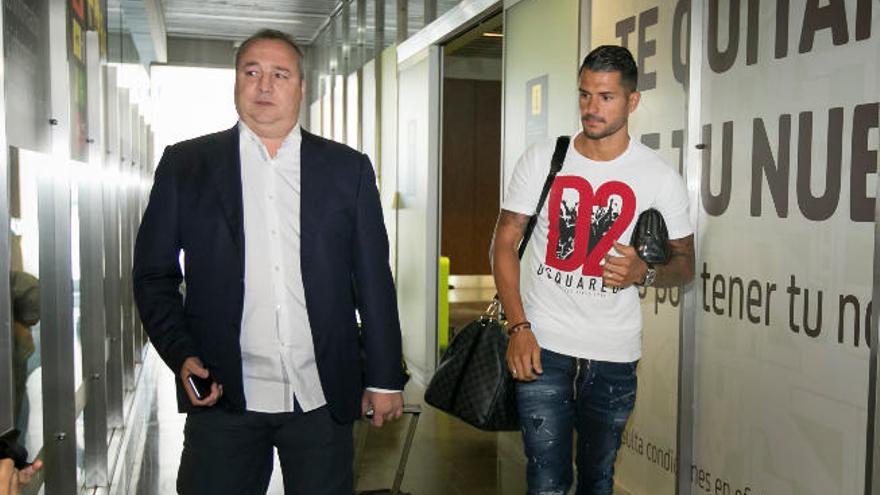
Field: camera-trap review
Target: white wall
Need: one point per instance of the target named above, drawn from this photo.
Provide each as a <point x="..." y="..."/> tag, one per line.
<point x="418" y="213"/>
<point x="388" y="147"/>
<point x="540" y="39"/>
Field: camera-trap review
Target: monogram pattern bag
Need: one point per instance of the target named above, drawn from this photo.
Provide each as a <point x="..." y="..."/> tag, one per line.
<point x="472" y="381"/>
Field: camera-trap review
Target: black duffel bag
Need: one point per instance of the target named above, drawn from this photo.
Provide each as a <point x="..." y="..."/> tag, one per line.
<point x="472" y="381"/>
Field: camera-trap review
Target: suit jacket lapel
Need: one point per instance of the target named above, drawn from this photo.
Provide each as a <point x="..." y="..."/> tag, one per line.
<point x="225" y="164"/>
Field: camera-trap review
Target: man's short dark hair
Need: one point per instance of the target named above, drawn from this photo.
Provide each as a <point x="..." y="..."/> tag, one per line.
<point x="611" y="58"/>
<point x="273" y="34"/>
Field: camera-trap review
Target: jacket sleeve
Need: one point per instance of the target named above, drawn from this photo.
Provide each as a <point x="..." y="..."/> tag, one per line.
<point x="156" y="272"/>
<point x="374" y="287"/>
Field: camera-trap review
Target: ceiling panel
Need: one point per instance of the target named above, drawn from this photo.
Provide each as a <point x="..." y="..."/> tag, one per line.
<point x="236" y="20"/>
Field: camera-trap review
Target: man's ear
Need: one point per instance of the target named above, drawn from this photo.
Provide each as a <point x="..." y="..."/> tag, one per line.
<point x="633" y="102"/>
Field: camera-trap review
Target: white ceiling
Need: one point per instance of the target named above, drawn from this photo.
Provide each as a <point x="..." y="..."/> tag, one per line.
<point x="236" y="20"/>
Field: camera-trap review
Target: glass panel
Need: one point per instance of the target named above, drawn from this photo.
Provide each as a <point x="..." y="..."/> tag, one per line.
<point x="390" y="23"/>
<point x="387" y="161"/>
<point x="352" y="123"/>
<point x="80" y="449"/>
<point x="75" y="277"/>
<point x="315" y="117"/>
<point x="368" y="51"/>
<point x="337" y="59"/>
<point x="339" y="108"/>
<point x="75" y="235"/>
<point x="351" y="54"/>
<point x="125" y="128"/>
<point x="544" y="57"/>
<point x="368" y="119"/>
<point x="416" y="181"/>
<point x="112" y="306"/>
<point x="658" y="122"/>
<point x="25" y="218"/>
<point x="416" y="16"/>
<point x="789" y="130"/>
<point x="326" y="108"/>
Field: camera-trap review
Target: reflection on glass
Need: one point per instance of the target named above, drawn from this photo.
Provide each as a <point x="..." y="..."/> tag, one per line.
<point x="75" y="276"/>
<point x="352" y="120"/>
<point x="339" y="108"/>
<point x="77" y="316"/>
<point x="25" y="294"/>
<point x="80" y="449"/>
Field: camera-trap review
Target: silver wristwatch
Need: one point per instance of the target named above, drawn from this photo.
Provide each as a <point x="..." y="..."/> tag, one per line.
<point x="650" y="276"/>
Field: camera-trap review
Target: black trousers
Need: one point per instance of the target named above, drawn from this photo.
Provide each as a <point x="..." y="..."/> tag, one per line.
<point x="230" y="453"/>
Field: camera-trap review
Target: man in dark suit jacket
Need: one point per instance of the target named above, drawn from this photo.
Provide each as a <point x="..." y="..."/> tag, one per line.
<point x="283" y="246"/>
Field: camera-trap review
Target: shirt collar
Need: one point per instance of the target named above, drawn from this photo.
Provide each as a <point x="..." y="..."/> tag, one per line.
<point x="292" y="139"/>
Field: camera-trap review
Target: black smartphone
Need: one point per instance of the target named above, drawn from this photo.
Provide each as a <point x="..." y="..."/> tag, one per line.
<point x="201" y="387"/>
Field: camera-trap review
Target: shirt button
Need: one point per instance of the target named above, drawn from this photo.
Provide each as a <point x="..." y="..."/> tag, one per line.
<point x="277" y="269"/>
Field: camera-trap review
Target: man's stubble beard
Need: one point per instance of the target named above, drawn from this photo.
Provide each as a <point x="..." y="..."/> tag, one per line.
<point x="607" y="131"/>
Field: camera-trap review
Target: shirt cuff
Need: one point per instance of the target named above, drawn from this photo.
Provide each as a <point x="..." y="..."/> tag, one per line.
<point x="383" y="390"/>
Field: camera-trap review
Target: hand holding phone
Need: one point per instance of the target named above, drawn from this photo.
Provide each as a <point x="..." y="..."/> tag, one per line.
<point x="201" y="387"/>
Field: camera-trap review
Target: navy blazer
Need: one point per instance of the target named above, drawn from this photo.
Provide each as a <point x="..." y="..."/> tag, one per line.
<point x="196" y="206"/>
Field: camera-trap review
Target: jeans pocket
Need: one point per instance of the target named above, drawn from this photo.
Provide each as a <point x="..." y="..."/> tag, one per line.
<point x="620" y="382"/>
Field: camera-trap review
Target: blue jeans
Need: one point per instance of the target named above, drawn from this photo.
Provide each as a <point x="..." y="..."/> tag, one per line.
<point x="594" y="397"/>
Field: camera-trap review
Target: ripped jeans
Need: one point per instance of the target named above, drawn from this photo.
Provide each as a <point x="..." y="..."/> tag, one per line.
<point x="594" y="397"/>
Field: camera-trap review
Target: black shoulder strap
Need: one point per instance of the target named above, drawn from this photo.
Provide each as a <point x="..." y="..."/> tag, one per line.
<point x="555" y="166"/>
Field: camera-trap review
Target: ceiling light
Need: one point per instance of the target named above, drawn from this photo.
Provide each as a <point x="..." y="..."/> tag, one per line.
<point x="493" y="35"/>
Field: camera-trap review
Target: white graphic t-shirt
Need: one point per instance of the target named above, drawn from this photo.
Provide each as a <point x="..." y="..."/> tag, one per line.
<point x="592" y="204"/>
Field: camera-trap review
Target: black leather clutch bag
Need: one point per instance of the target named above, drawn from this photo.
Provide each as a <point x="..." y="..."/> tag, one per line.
<point x="650" y="238"/>
<point x="10" y="449"/>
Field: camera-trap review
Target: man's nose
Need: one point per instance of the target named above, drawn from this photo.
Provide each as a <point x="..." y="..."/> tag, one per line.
<point x="592" y="105"/>
<point x="265" y="83"/>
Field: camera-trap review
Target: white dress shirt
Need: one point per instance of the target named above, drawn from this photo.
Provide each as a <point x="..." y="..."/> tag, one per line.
<point x="277" y="351"/>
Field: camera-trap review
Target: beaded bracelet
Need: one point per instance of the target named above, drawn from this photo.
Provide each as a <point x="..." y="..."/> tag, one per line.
<point x="519" y="326"/>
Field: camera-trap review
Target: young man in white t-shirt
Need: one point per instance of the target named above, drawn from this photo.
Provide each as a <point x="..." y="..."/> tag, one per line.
<point x="572" y="304"/>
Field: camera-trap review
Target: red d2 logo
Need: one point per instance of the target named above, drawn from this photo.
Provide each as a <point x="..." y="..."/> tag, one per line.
<point x="584" y="224"/>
